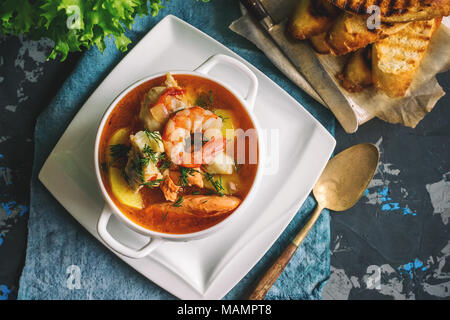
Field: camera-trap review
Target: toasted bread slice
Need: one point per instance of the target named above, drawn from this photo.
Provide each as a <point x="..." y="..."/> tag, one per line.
<point x="319" y="43"/>
<point x="396" y="59"/>
<point x="357" y="73"/>
<point x="398" y="10"/>
<point x="350" y="33"/>
<point x="312" y="17"/>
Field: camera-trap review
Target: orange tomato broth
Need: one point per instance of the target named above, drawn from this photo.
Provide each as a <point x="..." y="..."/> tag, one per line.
<point x="125" y="114"/>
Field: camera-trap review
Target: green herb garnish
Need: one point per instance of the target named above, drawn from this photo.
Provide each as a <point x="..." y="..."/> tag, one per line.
<point x="217" y="184"/>
<point x="143" y="162"/>
<point x="201" y="102"/>
<point x="222" y="117"/>
<point x="205" y="100"/>
<point x="153" y="135"/>
<point x="211" y="98"/>
<point x="165" y="162"/>
<point x="150" y="153"/>
<point x="139" y="165"/>
<point x="163" y="216"/>
<point x="184" y="173"/>
<point x="152" y="183"/>
<point x="104" y="166"/>
<point x="118" y="151"/>
<point x="178" y="202"/>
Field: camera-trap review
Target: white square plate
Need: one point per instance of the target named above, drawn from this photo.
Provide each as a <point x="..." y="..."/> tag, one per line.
<point x="209" y="268"/>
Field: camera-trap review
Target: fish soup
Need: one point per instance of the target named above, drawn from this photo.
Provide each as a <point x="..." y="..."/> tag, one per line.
<point x="169" y="154"/>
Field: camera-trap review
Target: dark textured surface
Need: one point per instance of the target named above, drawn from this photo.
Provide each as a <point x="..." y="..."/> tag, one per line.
<point x="393" y="244"/>
<point x="396" y="231"/>
<point x="27" y="84"/>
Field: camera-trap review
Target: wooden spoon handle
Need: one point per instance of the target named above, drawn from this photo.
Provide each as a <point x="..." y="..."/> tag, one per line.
<point x="278" y="266"/>
<point x="273" y="273"/>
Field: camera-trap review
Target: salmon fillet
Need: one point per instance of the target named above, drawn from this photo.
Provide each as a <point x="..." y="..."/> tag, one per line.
<point x="169" y="188"/>
<point x="198" y="205"/>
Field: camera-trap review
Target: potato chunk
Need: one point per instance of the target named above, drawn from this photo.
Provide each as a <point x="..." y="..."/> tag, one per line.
<point x="228" y="121"/>
<point x="119" y="137"/>
<point x="122" y="191"/>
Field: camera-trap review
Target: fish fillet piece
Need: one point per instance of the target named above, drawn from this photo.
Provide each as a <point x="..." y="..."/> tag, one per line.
<point x="169" y="188"/>
<point x="160" y="102"/>
<point x="198" y="205"/>
<point x="140" y="169"/>
<point x="398" y="10"/>
<point x="194" y="177"/>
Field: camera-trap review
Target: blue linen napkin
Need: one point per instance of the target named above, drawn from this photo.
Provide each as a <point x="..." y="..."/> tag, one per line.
<point x="56" y="242"/>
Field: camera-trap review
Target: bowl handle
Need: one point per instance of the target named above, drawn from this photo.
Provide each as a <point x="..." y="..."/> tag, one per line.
<point x="209" y="64"/>
<point x="116" y="245"/>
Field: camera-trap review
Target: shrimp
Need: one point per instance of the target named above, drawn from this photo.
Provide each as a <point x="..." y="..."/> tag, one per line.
<point x="160" y="102"/>
<point x="191" y="121"/>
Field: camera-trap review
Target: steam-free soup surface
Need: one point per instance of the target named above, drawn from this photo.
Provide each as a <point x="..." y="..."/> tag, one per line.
<point x="140" y="175"/>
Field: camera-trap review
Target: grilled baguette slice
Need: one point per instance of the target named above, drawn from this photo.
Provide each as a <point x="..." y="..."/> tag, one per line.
<point x="398" y="10"/>
<point x="357" y="73"/>
<point x="350" y="33"/>
<point x="312" y="17"/>
<point x="396" y="59"/>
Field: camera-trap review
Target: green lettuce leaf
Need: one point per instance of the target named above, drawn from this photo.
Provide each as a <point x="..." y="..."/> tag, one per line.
<point x="74" y="24"/>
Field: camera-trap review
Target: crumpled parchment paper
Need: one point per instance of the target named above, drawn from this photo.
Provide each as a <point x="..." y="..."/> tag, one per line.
<point x="420" y="99"/>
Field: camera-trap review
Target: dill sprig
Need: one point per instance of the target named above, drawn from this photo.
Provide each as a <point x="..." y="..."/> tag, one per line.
<point x="143" y="162"/>
<point x="217" y="184"/>
<point x="150" y="153"/>
<point x="153" y="135"/>
<point x="165" y="162"/>
<point x="222" y="117"/>
<point x="118" y="151"/>
<point x="211" y="98"/>
<point x="138" y="164"/>
<point x="205" y="100"/>
<point x="152" y="183"/>
<point x="184" y="173"/>
<point x="178" y="202"/>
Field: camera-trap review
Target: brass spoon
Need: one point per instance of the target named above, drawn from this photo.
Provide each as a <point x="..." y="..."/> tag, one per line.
<point x="342" y="183"/>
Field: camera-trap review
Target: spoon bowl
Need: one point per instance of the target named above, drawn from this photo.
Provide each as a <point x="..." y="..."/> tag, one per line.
<point x="346" y="177"/>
